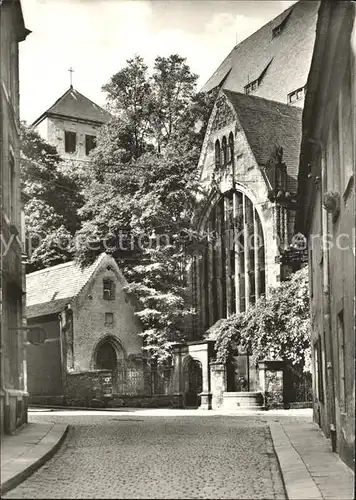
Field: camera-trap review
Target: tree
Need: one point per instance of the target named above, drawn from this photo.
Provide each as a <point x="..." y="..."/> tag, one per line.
<point x="139" y="206"/>
<point x="128" y="96"/>
<point x="173" y="86"/>
<point x="276" y="327"/>
<point x="53" y="199"/>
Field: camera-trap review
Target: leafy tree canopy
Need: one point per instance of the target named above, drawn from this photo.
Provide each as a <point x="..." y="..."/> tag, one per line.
<point x="276" y="327"/>
<point x="142" y="188"/>
<point x="53" y="198"/>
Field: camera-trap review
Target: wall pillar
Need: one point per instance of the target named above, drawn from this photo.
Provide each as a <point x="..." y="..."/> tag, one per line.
<point x="271" y="377"/>
<point x="177" y="387"/>
<point x="218" y="384"/>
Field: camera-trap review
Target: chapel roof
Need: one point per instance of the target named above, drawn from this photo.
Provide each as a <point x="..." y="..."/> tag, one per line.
<point x="50" y="289"/>
<point x="268" y="123"/>
<point x="73" y="104"/>
<point x="285" y="57"/>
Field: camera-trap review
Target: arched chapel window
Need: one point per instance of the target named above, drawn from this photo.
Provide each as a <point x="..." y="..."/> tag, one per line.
<point x="217" y="154"/>
<point x="224" y="151"/>
<point x="231" y="148"/>
<point x="232" y="272"/>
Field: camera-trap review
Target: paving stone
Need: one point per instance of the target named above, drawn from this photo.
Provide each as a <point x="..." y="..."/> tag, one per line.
<point x="113" y="456"/>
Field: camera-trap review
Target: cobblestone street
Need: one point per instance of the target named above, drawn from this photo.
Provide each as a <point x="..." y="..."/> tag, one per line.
<point x="118" y="455"/>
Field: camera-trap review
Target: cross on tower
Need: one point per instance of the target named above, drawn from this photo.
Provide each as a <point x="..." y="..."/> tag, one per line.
<point x="71" y="71"/>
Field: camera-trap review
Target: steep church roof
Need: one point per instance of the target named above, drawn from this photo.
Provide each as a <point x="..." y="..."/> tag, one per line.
<point x="267" y="123"/>
<point x="73" y="104"/>
<point x="279" y="54"/>
<point x="50" y="289"/>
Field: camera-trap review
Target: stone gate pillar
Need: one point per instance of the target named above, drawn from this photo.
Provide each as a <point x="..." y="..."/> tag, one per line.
<point x="218" y="384"/>
<point x="178" y="352"/>
<point x="271" y="376"/>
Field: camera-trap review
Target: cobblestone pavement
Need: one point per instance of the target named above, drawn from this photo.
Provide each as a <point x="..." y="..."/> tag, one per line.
<point x="114" y="455"/>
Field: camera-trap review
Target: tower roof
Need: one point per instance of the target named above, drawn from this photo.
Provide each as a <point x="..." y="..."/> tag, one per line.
<point x="73" y="104"/>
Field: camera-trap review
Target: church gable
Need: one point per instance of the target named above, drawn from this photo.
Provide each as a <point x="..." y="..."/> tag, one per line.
<point x="226" y="155"/>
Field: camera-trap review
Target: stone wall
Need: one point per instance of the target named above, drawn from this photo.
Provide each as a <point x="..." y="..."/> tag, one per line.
<point x="52" y="129"/>
<point x="89" y="322"/>
<point x="154" y="401"/>
<point x="89" y="389"/>
<point x="44" y="367"/>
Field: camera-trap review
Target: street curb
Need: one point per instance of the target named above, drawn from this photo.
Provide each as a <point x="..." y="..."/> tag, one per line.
<point x="50" y="442"/>
<point x="297" y="481"/>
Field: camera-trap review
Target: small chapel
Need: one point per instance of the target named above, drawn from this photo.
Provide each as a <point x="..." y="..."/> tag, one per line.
<point x="84" y="339"/>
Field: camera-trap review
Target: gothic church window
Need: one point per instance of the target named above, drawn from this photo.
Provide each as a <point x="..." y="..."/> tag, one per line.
<point x="224" y="151"/>
<point x="232" y="271"/>
<point x="231" y="148"/>
<point x="217" y="154"/>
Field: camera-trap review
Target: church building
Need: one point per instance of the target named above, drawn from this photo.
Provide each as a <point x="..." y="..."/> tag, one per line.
<point x="72" y="124"/>
<point x="248" y="167"/>
<point x="274" y="61"/>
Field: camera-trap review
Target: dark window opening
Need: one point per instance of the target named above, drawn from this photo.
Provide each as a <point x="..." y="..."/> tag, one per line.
<point x="278" y="29"/>
<point x="224" y="151"/>
<point x="70" y="141"/>
<point x="217" y="154"/>
<point x="296" y="95"/>
<point x="257" y="82"/>
<point x="109" y="318"/>
<point x="252" y="86"/>
<point x="108" y="289"/>
<point x="231" y="149"/>
<point x="90" y="143"/>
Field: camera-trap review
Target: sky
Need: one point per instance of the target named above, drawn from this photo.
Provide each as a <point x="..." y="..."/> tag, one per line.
<point x="96" y="37"/>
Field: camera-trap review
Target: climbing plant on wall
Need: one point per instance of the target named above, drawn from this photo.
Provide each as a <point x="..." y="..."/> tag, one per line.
<point x="276" y="327"/>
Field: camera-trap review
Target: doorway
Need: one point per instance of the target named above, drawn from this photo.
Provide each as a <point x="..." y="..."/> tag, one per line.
<point x="193" y="377"/>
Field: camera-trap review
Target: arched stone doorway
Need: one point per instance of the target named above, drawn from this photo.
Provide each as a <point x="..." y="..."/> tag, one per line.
<point x="193" y="382"/>
<point x="109" y="355"/>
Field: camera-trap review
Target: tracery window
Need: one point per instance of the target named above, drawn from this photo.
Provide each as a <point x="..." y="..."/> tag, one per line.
<point x="231" y="273"/>
<point x="224" y="151"/>
<point x="217" y="154"/>
<point x="230" y="154"/>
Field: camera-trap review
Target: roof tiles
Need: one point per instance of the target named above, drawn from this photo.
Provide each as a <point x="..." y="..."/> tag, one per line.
<point x="73" y="104"/>
<point x="48" y="290"/>
<point x="291" y="52"/>
<point x="267" y="123"/>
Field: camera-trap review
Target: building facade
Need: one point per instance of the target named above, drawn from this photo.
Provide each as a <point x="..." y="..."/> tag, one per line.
<point x="83" y="330"/>
<point x="326" y="196"/>
<point x="13" y="361"/>
<point x="274" y="61"/>
<point x="71" y="125"/>
<point x="248" y="165"/>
